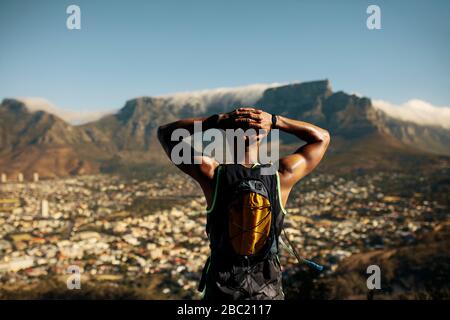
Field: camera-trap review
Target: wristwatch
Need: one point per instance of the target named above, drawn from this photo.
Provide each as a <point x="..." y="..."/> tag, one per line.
<point x="274" y="121"/>
<point x="213" y="121"/>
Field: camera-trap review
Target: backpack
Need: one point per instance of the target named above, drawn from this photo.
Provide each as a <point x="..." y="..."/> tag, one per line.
<point x="243" y="226"/>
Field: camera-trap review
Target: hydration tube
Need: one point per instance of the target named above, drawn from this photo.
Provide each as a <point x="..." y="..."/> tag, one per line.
<point x="300" y="259"/>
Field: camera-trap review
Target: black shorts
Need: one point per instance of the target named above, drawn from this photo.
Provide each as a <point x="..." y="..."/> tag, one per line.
<point x="260" y="281"/>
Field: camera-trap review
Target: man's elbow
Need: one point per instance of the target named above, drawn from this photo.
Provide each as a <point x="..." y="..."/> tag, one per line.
<point x="325" y="137"/>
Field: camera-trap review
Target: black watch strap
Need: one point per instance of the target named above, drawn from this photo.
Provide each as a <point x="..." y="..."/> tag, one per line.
<point x="274" y="121"/>
<point x="212" y="121"/>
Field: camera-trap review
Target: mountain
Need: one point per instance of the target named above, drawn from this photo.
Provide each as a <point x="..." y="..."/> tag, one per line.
<point x="433" y="139"/>
<point x="39" y="142"/>
<point x="362" y="136"/>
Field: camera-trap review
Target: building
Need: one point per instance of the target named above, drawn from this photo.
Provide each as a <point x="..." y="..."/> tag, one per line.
<point x="44" y="208"/>
<point x="8" y="205"/>
<point x="17" y="264"/>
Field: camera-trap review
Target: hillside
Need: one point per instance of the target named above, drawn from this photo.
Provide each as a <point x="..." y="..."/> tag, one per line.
<point x="412" y="272"/>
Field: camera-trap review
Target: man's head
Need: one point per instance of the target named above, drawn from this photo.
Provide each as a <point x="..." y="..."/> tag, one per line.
<point x="246" y="118"/>
<point x="249" y="126"/>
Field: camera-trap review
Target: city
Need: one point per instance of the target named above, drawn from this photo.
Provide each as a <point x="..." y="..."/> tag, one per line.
<point x="118" y="230"/>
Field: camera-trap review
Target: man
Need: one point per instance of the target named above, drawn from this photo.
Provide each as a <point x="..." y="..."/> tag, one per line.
<point x="246" y="208"/>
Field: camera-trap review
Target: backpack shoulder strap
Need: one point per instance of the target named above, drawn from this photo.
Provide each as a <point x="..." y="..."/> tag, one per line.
<point x="217" y="175"/>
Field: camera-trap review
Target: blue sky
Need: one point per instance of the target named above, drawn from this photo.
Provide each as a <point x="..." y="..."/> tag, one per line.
<point x="133" y="48"/>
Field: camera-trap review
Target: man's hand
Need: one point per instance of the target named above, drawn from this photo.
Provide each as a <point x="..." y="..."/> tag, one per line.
<point x="261" y="120"/>
<point x="239" y="118"/>
<point x="246" y="118"/>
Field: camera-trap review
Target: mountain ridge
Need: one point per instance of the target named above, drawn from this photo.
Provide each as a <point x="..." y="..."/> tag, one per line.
<point x="42" y="142"/>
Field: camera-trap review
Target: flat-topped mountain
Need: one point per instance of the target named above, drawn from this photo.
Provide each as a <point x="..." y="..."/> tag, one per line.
<point x="41" y="142"/>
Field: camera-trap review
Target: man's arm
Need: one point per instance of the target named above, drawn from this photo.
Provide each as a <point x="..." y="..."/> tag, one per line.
<point x="233" y="119"/>
<point x="297" y="165"/>
<point x="206" y="165"/>
<point x="203" y="172"/>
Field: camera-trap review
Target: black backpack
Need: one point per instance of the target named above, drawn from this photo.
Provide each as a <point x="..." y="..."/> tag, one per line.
<point x="244" y="223"/>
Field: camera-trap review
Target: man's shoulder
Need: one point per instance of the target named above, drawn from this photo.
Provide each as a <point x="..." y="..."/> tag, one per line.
<point x="208" y="167"/>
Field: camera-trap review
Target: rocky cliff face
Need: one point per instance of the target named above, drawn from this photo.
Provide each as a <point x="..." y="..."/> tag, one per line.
<point x="39" y="142"/>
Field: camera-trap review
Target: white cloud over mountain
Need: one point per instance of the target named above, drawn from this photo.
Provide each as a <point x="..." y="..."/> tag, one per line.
<point x="417" y="111"/>
<point x="74" y="117"/>
<point x="248" y="95"/>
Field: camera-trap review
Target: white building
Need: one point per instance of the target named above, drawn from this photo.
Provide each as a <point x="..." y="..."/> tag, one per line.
<point x="44" y="208"/>
<point x="17" y="264"/>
